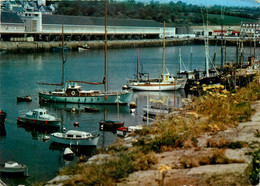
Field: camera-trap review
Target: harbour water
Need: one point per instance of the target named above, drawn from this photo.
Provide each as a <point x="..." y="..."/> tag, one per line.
<point x="20" y="73"/>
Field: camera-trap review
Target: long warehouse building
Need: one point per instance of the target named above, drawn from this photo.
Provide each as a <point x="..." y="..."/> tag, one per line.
<point x="49" y="27"/>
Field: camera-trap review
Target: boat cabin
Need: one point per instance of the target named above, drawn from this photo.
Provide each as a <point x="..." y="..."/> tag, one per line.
<point x="73" y="90"/>
<point x="11" y="164"/>
<point x="36" y="113"/>
<point x="167" y="78"/>
<point x="77" y="134"/>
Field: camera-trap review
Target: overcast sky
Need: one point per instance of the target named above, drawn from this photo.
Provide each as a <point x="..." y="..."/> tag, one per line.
<point x="250" y="3"/>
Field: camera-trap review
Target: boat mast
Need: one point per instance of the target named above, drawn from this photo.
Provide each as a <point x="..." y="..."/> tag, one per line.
<point x="105" y="52"/>
<point x="163" y="62"/>
<point x="63" y="59"/>
<point x="206" y="40"/>
<point x="137" y="67"/>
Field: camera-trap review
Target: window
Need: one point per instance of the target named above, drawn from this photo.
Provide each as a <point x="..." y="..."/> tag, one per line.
<point x="40" y="113"/>
<point x="70" y="135"/>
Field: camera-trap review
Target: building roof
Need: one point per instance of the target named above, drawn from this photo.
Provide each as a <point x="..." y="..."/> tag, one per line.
<point x="10" y="17"/>
<point x="17" y="9"/>
<point x="84" y="20"/>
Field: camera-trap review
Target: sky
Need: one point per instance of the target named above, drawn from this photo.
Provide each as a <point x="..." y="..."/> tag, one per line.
<point x="240" y="3"/>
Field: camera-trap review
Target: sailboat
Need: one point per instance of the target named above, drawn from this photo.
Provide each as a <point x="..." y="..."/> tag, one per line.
<point x="73" y="92"/>
<point x="165" y="83"/>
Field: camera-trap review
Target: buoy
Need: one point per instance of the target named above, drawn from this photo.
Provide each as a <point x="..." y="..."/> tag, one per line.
<point x="132" y="105"/>
<point x="73" y="110"/>
<point x="64" y="129"/>
<point x="132" y="111"/>
<point x="76" y="124"/>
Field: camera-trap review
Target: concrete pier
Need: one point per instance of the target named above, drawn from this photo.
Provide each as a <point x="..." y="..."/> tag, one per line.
<point x="43" y="46"/>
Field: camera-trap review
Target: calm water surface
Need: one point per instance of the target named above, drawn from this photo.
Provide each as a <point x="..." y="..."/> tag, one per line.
<point x="19" y="74"/>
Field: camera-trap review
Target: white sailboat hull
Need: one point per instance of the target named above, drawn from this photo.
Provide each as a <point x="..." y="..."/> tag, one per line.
<point x="76" y="142"/>
<point x="154" y="86"/>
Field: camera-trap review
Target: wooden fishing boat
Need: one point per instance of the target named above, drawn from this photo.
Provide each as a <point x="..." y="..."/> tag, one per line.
<point x="75" y="137"/>
<point x="39" y="117"/>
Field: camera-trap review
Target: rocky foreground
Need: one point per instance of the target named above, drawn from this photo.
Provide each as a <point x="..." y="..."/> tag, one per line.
<point x="189" y="166"/>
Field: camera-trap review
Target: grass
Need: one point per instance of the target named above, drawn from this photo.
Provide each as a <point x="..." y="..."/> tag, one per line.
<point x="110" y="170"/>
<point x="217" y="111"/>
<point x="255" y="173"/>
<point x="212" y="112"/>
<point x="217" y="157"/>
<point x="231" y="20"/>
<point x="223" y="143"/>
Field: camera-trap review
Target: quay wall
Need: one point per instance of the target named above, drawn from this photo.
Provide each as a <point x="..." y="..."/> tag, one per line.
<point x="43" y="46"/>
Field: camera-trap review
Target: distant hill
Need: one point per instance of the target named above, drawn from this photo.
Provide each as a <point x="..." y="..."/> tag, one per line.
<point x="175" y="14"/>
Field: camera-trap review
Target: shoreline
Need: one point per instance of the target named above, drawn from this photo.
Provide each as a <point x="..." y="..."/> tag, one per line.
<point x="40" y="46"/>
<point x="221" y="155"/>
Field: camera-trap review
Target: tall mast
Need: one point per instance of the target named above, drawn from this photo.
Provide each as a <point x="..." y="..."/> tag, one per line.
<point x="105" y="52"/>
<point x="137" y="66"/>
<point x="222" y="34"/>
<point x="163" y="62"/>
<point x="63" y="59"/>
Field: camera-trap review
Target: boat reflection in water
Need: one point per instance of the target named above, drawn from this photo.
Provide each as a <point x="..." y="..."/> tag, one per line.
<point x="171" y="99"/>
<point x="78" y="108"/>
<point x="2" y="130"/>
<point x="38" y="133"/>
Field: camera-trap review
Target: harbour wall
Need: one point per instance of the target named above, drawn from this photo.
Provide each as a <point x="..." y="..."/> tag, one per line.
<point x="42" y="46"/>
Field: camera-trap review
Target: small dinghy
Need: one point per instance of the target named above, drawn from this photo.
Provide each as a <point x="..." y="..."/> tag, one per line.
<point x="24" y="99"/>
<point x="68" y="154"/>
<point x="91" y="109"/>
<point x="124" y="131"/>
<point x="109" y="125"/>
<point x="46" y="138"/>
<point x="12" y="167"/>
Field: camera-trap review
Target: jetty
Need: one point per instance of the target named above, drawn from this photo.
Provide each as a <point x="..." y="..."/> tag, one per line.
<point x="44" y="46"/>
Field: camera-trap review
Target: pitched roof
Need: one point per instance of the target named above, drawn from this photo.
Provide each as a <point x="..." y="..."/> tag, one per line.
<point x="10" y="17"/>
<point x="81" y="20"/>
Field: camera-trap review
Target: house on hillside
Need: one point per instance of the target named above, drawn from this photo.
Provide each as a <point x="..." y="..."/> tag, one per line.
<point x="250" y="29"/>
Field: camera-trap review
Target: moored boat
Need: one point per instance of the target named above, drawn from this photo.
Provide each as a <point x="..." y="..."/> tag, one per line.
<point x="84" y="47"/>
<point x="12" y="167"/>
<point x="166" y="82"/>
<point x="39" y="117"/>
<point x="124" y="131"/>
<point x="68" y="154"/>
<point x="75" y="137"/>
<point x="109" y="125"/>
<point x="75" y="94"/>
<point x="91" y="109"/>
<point x="59" y="49"/>
<point x="2" y="116"/>
<point x="24" y="99"/>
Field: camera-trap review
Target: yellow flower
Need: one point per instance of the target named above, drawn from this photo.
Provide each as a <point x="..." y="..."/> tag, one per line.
<point x="164" y="168"/>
